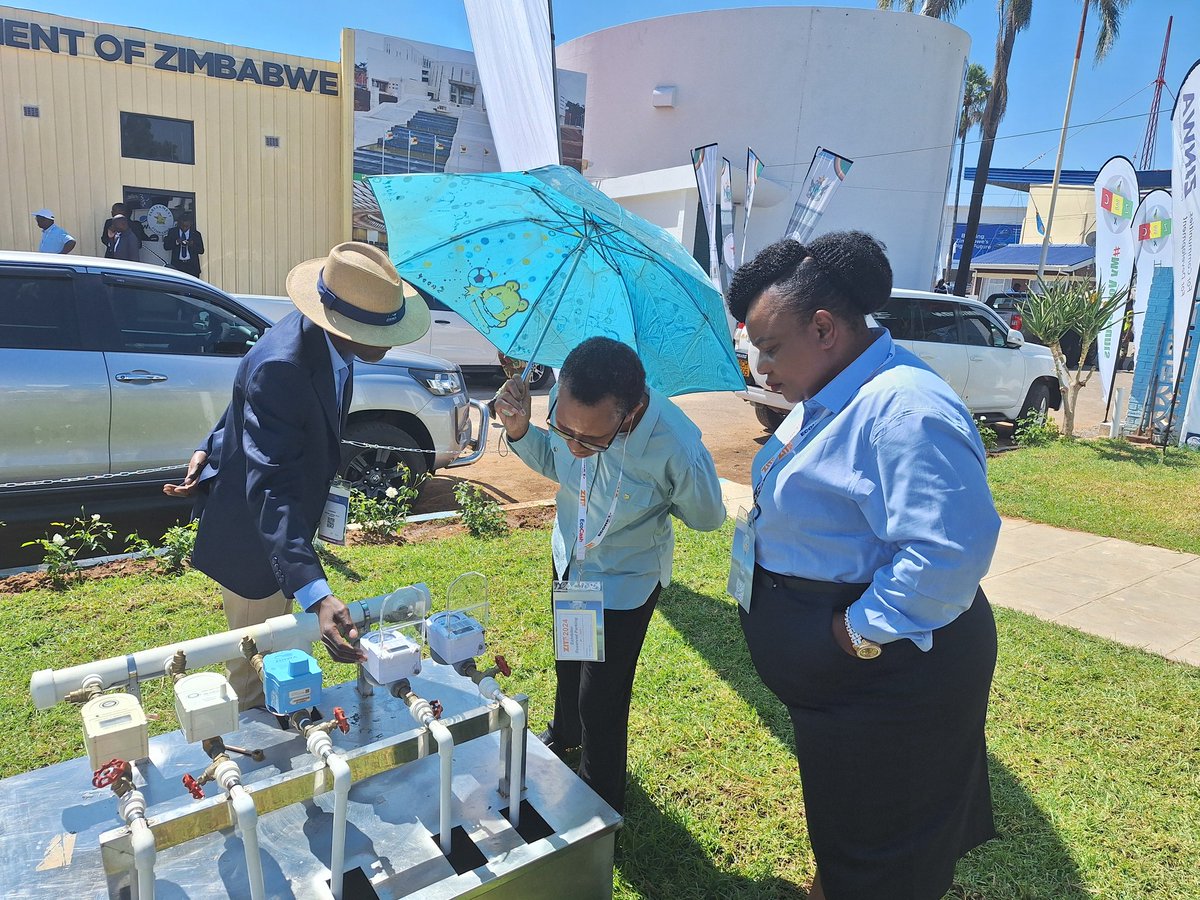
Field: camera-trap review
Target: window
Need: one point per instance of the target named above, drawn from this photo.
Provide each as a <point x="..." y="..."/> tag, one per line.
<point x="980" y="331"/>
<point x="462" y="94"/>
<point x="900" y="317"/>
<point x="37" y="313"/>
<point x="153" y="137"/>
<point x="937" y="322"/>
<point x="150" y="320"/>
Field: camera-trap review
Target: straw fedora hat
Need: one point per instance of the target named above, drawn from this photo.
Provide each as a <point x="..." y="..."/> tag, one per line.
<point x="356" y="293"/>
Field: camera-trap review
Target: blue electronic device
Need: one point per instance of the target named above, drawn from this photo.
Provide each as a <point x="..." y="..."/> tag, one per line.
<point x="291" y="681"/>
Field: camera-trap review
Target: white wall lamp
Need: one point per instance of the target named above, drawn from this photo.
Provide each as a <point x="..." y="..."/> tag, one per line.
<point x="663" y="96"/>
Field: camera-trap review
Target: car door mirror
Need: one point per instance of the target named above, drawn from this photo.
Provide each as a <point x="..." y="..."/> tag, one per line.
<point x="1016" y="340"/>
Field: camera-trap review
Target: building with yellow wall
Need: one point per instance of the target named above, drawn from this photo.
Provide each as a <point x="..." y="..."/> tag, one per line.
<point x="91" y="114"/>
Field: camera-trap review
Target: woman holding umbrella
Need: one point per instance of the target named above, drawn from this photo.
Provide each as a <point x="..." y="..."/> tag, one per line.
<point x="872" y="527"/>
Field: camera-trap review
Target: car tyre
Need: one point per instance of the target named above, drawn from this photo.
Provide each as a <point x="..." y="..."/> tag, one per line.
<point x="540" y="377"/>
<point x="370" y="471"/>
<point x="769" y="417"/>
<point x="1037" y="400"/>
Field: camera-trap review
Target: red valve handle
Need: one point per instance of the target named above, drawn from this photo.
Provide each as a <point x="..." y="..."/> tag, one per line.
<point x="193" y="787"/>
<point x="339" y="717"/>
<point x="436" y="706"/>
<point x="502" y="665"/>
<point x="109" y="773"/>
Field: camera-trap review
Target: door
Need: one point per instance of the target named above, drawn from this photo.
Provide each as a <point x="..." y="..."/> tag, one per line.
<point x="996" y="372"/>
<point x="55" y="406"/>
<point x="172" y="355"/>
<point x="937" y="342"/>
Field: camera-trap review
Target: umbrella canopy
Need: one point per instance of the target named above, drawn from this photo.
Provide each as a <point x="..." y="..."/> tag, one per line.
<point x="539" y="261"/>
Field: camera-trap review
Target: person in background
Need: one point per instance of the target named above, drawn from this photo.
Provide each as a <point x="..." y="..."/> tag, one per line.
<point x="54" y="237"/>
<point x="262" y="480"/>
<point x="941" y="287"/>
<point x="107" y="234"/>
<point x="185" y="245"/>
<point x="125" y="244"/>
<point x="626" y="459"/>
<point x="860" y="600"/>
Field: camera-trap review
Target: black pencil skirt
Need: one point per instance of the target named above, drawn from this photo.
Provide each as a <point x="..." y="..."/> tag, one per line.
<point x="892" y="756"/>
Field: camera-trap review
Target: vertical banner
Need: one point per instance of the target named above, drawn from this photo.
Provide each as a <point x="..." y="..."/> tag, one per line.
<point x="826" y="171"/>
<point x="1184" y="228"/>
<point x="1116" y="198"/>
<point x="754" y="168"/>
<point x="728" y="253"/>
<point x="1152" y="234"/>
<point x="514" y="56"/>
<point x="704" y="161"/>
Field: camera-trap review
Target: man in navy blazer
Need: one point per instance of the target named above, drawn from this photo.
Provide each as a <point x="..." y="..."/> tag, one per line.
<point x="262" y="478"/>
<point x="185" y="245"/>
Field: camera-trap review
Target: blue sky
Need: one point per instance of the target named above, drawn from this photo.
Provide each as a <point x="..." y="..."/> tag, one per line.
<point x="1119" y="89"/>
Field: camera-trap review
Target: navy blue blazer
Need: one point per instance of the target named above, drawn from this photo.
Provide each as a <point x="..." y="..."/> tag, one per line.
<point x="276" y="450"/>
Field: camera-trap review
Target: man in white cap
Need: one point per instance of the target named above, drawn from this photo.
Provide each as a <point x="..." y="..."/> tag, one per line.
<point x="263" y="476"/>
<point x="54" y="237"/>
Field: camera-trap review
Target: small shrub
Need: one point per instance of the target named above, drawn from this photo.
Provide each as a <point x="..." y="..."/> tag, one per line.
<point x="178" y="542"/>
<point x="480" y="513"/>
<point x="987" y="434"/>
<point x="83" y="535"/>
<point x="381" y="517"/>
<point x="135" y="543"/>
<point x="1035" y="429"/>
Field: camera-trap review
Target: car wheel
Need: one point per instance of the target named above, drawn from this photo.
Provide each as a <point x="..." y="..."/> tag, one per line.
<point x="1036" y="401"/>
<point x="769" y="417"/>
<point x="540" y="377"/>
<point x="374" y="471"/>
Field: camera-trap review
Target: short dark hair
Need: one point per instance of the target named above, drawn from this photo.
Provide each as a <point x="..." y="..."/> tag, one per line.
<point x="185" y="216"/>
<point x="601" y="367"/>
<point x="845" y="272"/>
<point x="121" y="208"/>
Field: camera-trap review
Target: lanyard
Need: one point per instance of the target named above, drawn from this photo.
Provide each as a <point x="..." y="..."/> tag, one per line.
<point x="582" y="545"/>
<point x="794" y="444"/>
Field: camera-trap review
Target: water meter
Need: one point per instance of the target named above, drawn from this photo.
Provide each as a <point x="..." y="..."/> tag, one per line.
<point x="206" y="706"/>
<point x="291" y="681"/>
<point x="456" y="633"/>
<point x="394" y="650"/>
<point x="114" y="727"/>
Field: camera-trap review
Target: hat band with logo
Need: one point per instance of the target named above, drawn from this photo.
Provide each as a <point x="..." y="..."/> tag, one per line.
<point x="332" y="301"/>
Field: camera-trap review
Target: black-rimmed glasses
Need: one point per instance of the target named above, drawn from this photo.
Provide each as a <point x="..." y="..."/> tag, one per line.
<point x="567" y="436"/>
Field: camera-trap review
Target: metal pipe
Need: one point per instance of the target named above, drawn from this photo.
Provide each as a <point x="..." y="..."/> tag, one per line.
<point x="50" y="686"/>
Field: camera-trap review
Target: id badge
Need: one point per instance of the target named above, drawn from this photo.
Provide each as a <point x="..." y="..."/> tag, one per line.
<point x="578" y="621"/>
<point x="332" y="529"/>
<point x="741" y="563"/>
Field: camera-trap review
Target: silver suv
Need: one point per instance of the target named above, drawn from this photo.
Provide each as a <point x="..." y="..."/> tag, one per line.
<point x="110" y="367"/>
<point x="989" y="365"/>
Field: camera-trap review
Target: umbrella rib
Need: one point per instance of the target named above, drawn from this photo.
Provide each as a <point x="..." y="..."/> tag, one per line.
<point x="533" y="304"/>
<point x="578" y="254"/>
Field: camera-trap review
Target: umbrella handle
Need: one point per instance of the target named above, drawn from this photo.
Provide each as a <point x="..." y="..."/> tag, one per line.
<point x="528" y="369"/>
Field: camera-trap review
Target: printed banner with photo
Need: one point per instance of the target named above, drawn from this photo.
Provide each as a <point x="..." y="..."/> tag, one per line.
<point x="754" y="169"/>
<point x="1152" y="233"/>
<point x="1117" y="194"/>
<point x="826" y="171"/>
<point x="704" y="161"/>
<point x="728" y="250"/>
<point x="420" y="108"/>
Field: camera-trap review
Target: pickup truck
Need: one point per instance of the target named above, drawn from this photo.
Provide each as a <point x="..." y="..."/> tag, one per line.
<point x="998" y="375"/>
<point x="110" y="367"/>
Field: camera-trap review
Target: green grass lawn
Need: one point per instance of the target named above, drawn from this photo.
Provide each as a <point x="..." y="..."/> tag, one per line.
<point x="1106" y="487"/>
<point x="1095" y="748"/>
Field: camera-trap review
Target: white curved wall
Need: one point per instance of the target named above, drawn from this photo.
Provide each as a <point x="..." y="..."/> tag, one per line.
<point x="783" y="80"/>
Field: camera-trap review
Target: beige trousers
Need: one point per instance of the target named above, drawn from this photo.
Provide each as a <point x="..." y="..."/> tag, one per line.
<point x="240" y="612"/>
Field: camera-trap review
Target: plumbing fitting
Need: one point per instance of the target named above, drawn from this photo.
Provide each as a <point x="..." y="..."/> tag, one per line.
<point x="90" y="688"/>
<point x="320" y="745"/>
<point x="176" y="667"/>
<point x="118" y="775"/>
<point x="256" y="755"/>
<point x="249" y="650"/>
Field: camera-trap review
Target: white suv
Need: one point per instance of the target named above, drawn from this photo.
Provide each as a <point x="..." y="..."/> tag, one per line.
<point x="989" y="365"/>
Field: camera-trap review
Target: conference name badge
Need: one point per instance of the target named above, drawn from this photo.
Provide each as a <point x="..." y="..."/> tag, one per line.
<point x="741" y="562"/>
<point x="578" y="621"/>
<point x="332" y="529"/>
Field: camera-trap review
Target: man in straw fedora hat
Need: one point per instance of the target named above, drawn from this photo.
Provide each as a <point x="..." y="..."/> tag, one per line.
<point x="263" y="476"/>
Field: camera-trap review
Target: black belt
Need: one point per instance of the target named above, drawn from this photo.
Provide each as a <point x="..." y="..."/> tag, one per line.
<point x="794" y="583"/>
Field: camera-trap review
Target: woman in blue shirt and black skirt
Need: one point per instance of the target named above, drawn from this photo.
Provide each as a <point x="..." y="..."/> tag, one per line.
<point x="859" y="577"/>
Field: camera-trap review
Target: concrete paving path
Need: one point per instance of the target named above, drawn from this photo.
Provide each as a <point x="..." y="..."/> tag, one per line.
<point x="1140" y="596"/>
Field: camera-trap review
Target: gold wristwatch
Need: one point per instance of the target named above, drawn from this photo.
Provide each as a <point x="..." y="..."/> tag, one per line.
<point x="863" y="648"/>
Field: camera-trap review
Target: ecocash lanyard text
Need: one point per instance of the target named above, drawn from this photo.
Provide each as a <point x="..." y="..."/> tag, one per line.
<point x="167" y="57"/>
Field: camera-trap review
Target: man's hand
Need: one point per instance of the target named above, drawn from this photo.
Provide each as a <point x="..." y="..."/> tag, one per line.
<point x="191" y="480"/>
<point x="513" y="405"/>
<point x="337" y="630"/>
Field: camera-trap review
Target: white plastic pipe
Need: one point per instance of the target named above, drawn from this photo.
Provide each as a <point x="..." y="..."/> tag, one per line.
<point x="246" y="817"/>
<point x="133" y="811"/>
<point x="445" y="742"/>
<point x="50" y="686"/>
<point x="516" y="759"/>
<point x="321" y="746"/>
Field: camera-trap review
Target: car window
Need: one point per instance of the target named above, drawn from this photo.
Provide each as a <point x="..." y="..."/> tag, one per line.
<point x="938" y="323"/>
<point x="152" y="320"/>
<point x="37" y="312"/>
<point x="902" y="318"/>
<point x="980" y="331"/>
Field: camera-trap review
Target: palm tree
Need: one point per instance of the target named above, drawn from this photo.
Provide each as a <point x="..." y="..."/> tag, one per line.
<point x="1015" y="16"/>
<point x="975" y="96"/>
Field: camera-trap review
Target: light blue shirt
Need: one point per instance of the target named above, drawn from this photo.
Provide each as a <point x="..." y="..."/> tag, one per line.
<point x="667" y="472"/>
<point x="315" y="591"/>
<point x="890" y="489"/>
<point x="54" y="239"/>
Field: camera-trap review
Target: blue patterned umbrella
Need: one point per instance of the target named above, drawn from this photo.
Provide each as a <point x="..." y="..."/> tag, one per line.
<point x="539" y="261"/>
